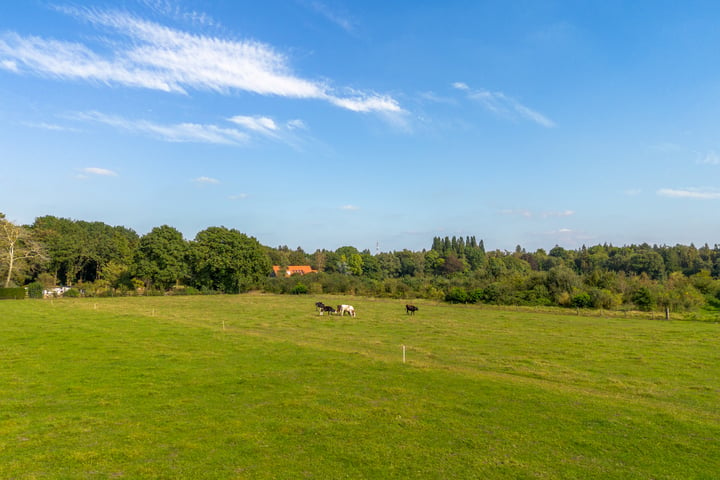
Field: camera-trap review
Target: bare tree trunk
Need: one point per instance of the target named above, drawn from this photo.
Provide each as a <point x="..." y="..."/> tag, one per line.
<point x="11" y="261"/>
<point x="10" y="235"/>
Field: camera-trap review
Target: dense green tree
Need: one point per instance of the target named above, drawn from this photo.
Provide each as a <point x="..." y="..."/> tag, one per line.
<point x="61" y="238"/>
<point x="496" y="266"/>
<point x="475" y="256"/>
<point x="370" y="266"/>
<point x="347" y="251"/>
<point x="433" y="262"/>
<point x="162" y="259"/>
<point x="80" y="250"/>
<point x="355" y="264"/>
<point x="279" y="256"/>
<point x="562" y="282"/>
<point x="646" y="261"/>
<point x="679" y="293"/>
<point x="453" y="264"/>
<point x="644" y="299"/>
<point x="704" y="283"/>
<point x="411" y="263"/>
<point x="298" y="257"/>
<point x="389" y="264"/>
<point x="581" y="300"/>
<point x="559" y="252"/>
<point x="227" y="260"/>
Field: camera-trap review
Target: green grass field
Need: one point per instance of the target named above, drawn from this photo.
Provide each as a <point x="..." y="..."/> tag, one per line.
<point x="260" y="386"/>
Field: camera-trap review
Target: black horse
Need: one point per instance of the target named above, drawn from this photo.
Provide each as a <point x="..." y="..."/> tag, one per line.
<point x="411" y="309"/>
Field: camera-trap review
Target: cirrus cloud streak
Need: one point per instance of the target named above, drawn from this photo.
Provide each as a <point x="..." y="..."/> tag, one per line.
<point x="696" y="193"/>
<point x="504" y="105"/>
<point x="181" y="132"/>
<point x="152" y="56"/>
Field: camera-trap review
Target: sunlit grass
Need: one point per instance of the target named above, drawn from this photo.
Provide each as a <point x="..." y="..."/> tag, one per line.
<point x="261" y="386"/>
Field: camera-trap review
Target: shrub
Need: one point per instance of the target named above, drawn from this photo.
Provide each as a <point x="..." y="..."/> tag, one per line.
<point x="35" y="290"/>
<point x="184" y="290"/>
<point x="72" y="293"/>
<point x="475" y="295"/>
<point x="643" y="299"/>
<point x="603" y="298"/>
<point x="299" y="289"/>
<point x="581" y="300"/>
<point x="456" y="295"/>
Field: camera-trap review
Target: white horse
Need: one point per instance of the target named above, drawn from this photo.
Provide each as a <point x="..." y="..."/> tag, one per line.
<point x="341" y="309"/>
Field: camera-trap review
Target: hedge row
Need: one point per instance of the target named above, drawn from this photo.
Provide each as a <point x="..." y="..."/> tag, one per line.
<point x="12" y="293"/>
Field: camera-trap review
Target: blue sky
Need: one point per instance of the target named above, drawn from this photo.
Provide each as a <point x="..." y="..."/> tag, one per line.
<point x="319" y="123"/>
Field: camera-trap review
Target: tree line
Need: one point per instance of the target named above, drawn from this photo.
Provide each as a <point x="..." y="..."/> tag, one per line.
<point x="99" y="259"/>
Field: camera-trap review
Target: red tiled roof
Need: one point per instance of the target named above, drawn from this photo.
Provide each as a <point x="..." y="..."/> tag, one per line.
<point x="294" y="270"/>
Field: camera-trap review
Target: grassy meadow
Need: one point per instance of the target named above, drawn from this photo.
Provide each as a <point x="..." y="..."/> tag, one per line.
<point x="262" y="387"/>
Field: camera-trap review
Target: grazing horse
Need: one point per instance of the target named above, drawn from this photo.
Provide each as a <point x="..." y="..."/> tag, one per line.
<point x="341" y="309"/>
<point x="411" y="309"/>
<point x="329" y="309"/>
<point x="320" y="306"/>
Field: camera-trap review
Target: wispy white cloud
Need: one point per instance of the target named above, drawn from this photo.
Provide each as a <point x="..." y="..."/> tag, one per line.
<point x="564" y="213"/>
<point x="152" y="56"/>
<point x="501" y="104"/>
<point x="207" y="180"/>
<point x="239" y="196"/>
<point x="504" y="105"/>
<point x="366" y="102"/>
<point x="104" y="172"/>
<point x="531" y="214"/>
<point x="632" y="192"/>
<point x="567" y="236"/>
<point x="296" y="124"/>
<point x="50" y="126"/>
<point x="329" y="14"/>
<point x="710" y="158"/>
<point x="263" y="125"/>
<point x="516" y="212"/>
<point x="290" y="132"/>
<point x="695" y="193"/>
<point x="181" y="132"/>
<point x="351" y="208"/>
<point x="435" y="98"/>
<point x="174" y="11"/>
<point x="528" y="113"/>
<point x="9" y="65"/>
<point x="247" y="128"/>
